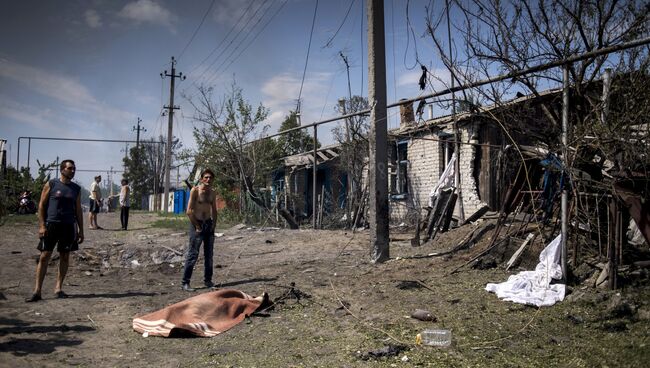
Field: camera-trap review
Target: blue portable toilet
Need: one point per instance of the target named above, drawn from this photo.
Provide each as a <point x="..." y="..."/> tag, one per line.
<point x="179" y="194"/>
<point x="186" y="200"/>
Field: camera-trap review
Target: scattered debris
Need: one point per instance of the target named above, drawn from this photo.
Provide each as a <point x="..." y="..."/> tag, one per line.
<point x="343" y="309"/>
<point x="408" y="284"/>
<point x="423" y="315"/>
<point x="515" y="256"/>
<point x="484" y="264"/>
<point x="618" y="326"/>
<point x="575" y="319"/>
<point x="386" y="351"/>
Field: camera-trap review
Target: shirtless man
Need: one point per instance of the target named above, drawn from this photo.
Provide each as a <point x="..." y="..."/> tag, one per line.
<point x="202" y="211"/>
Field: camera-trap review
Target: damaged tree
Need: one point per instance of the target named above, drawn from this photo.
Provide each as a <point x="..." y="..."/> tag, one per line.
<point x="222" y="144"/>
<point x="353" y="140"/>
<point x="608" y="96"/>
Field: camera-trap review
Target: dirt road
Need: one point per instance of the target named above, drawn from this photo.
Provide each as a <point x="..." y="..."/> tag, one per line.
<point x="119" y="275"/>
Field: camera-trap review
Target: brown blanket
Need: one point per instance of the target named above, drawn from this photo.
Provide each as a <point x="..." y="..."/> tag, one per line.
<point x="206" y="315"/>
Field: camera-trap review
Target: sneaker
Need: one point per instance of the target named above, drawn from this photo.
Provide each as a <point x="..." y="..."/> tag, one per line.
<point x="186" y="287"/>
<point x="209" y="284"/>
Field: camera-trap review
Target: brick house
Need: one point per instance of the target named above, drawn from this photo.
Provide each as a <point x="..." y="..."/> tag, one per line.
<point x="420" y="152"/>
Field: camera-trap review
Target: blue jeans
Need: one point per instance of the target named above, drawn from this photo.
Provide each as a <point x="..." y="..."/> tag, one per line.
<point x="205" y="236"/>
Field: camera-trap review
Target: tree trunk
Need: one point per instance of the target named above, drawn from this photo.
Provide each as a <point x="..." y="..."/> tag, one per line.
<point x="257" y="199"/>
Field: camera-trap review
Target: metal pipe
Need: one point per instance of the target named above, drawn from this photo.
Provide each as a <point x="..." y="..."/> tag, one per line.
<point x="565" y="192"/>
<point x="18" y="156"/>
<point x="29" y="149"/>
<point x="313" y="184"/>
<point x="537" y="68"/>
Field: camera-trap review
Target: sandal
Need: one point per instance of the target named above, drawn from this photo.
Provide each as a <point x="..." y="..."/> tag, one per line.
<point x="61" y="295"/>
<point x="33" y="298"/>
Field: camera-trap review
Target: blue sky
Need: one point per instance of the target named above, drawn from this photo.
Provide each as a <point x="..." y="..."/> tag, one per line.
<point x="89" y="69"/>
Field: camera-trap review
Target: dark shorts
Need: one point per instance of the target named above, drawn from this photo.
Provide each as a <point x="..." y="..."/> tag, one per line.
<point x="63" y="236"/>
<point x="94" y="207"/>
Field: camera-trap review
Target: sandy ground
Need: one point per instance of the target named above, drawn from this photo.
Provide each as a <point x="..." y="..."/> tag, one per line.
<point x="119" y="275"/>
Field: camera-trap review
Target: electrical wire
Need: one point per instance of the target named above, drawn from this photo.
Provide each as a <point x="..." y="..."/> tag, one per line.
<point x="304" y="72"/>
<point x="223" y="40"/>
<point x="329" y="42"/>
<point x="196" y="30"/>
<point x="253" y="39"/>
<point x="233" y="40"/>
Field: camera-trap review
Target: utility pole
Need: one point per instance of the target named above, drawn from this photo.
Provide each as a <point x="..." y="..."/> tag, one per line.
<point x="110" y="183"/>
<point x="378" y="136"/>
<point x="457" y="137"/>
<point x="138" y="129"/>
<point x="168" y="147"/>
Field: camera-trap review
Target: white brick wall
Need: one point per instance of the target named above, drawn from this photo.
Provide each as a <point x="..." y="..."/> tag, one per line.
<point x="424" y="172"/>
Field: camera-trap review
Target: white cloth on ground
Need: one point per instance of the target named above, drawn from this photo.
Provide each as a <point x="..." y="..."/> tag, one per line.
<point x="534" y="287"/>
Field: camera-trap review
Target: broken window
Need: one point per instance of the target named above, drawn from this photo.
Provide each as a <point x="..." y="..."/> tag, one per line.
<point x="447" y="147"/>
<point x="402" y="167"/>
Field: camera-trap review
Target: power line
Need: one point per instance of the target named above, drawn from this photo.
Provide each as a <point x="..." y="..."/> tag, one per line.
<point x="304" y="72"/>
<point x="329" y="43"/>
<point x="231" y="41"/>
<point x="220" y="68"/>
<point x="196" y="30"/>
<point x="222" y="40"/>
<point x="256" y="35"/>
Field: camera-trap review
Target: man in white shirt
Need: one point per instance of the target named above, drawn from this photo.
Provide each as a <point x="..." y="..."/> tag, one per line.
<point x="95" y="203"/>
<point x="125" y="203"/>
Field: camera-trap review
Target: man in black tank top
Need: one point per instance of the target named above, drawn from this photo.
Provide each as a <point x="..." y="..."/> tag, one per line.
<point x="60" y="223"/>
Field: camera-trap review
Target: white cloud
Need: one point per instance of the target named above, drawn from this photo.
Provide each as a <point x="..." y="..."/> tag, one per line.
<point x="70" y="95"/>
<point x="228" y="12"/>
<point x="64" y="89"/>
<point x="35" y="118"/>
<point x="92" y="18"/>
<point x="281" y="92"/>
<point x="148" y="11"/>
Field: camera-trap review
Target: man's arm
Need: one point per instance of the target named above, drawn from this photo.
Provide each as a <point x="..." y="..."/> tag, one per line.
<point x="42" y="210"/>
<point x="80" y="220"/>
<point x="213" y="209"/>
<point x="123" y="193"/>
<point x="190" y="209"/>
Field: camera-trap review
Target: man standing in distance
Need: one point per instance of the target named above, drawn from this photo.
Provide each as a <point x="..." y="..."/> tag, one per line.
<point x="202" y="211"/>
<point x="95" y="203"/>
<point x="125" y="203"/>
<point x="60" y="224"/>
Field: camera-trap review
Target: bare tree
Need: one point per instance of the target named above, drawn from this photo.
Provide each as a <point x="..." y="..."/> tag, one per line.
<point x="498" y="37"/>
<point x="353" y="139"/>
<point x="228" y="141"/>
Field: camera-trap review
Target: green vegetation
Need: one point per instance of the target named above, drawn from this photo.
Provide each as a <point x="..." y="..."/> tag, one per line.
<point x="12" y="220"/>
<point x="172" y="221"/>
<point x="226" y="218"/>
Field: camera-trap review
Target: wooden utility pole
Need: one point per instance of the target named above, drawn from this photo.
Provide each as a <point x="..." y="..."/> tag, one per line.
<point x="378" y="155"/>
<point x="168" y="147"/>
<point x="564" y="199"/>
<point x="138" y="129"/>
